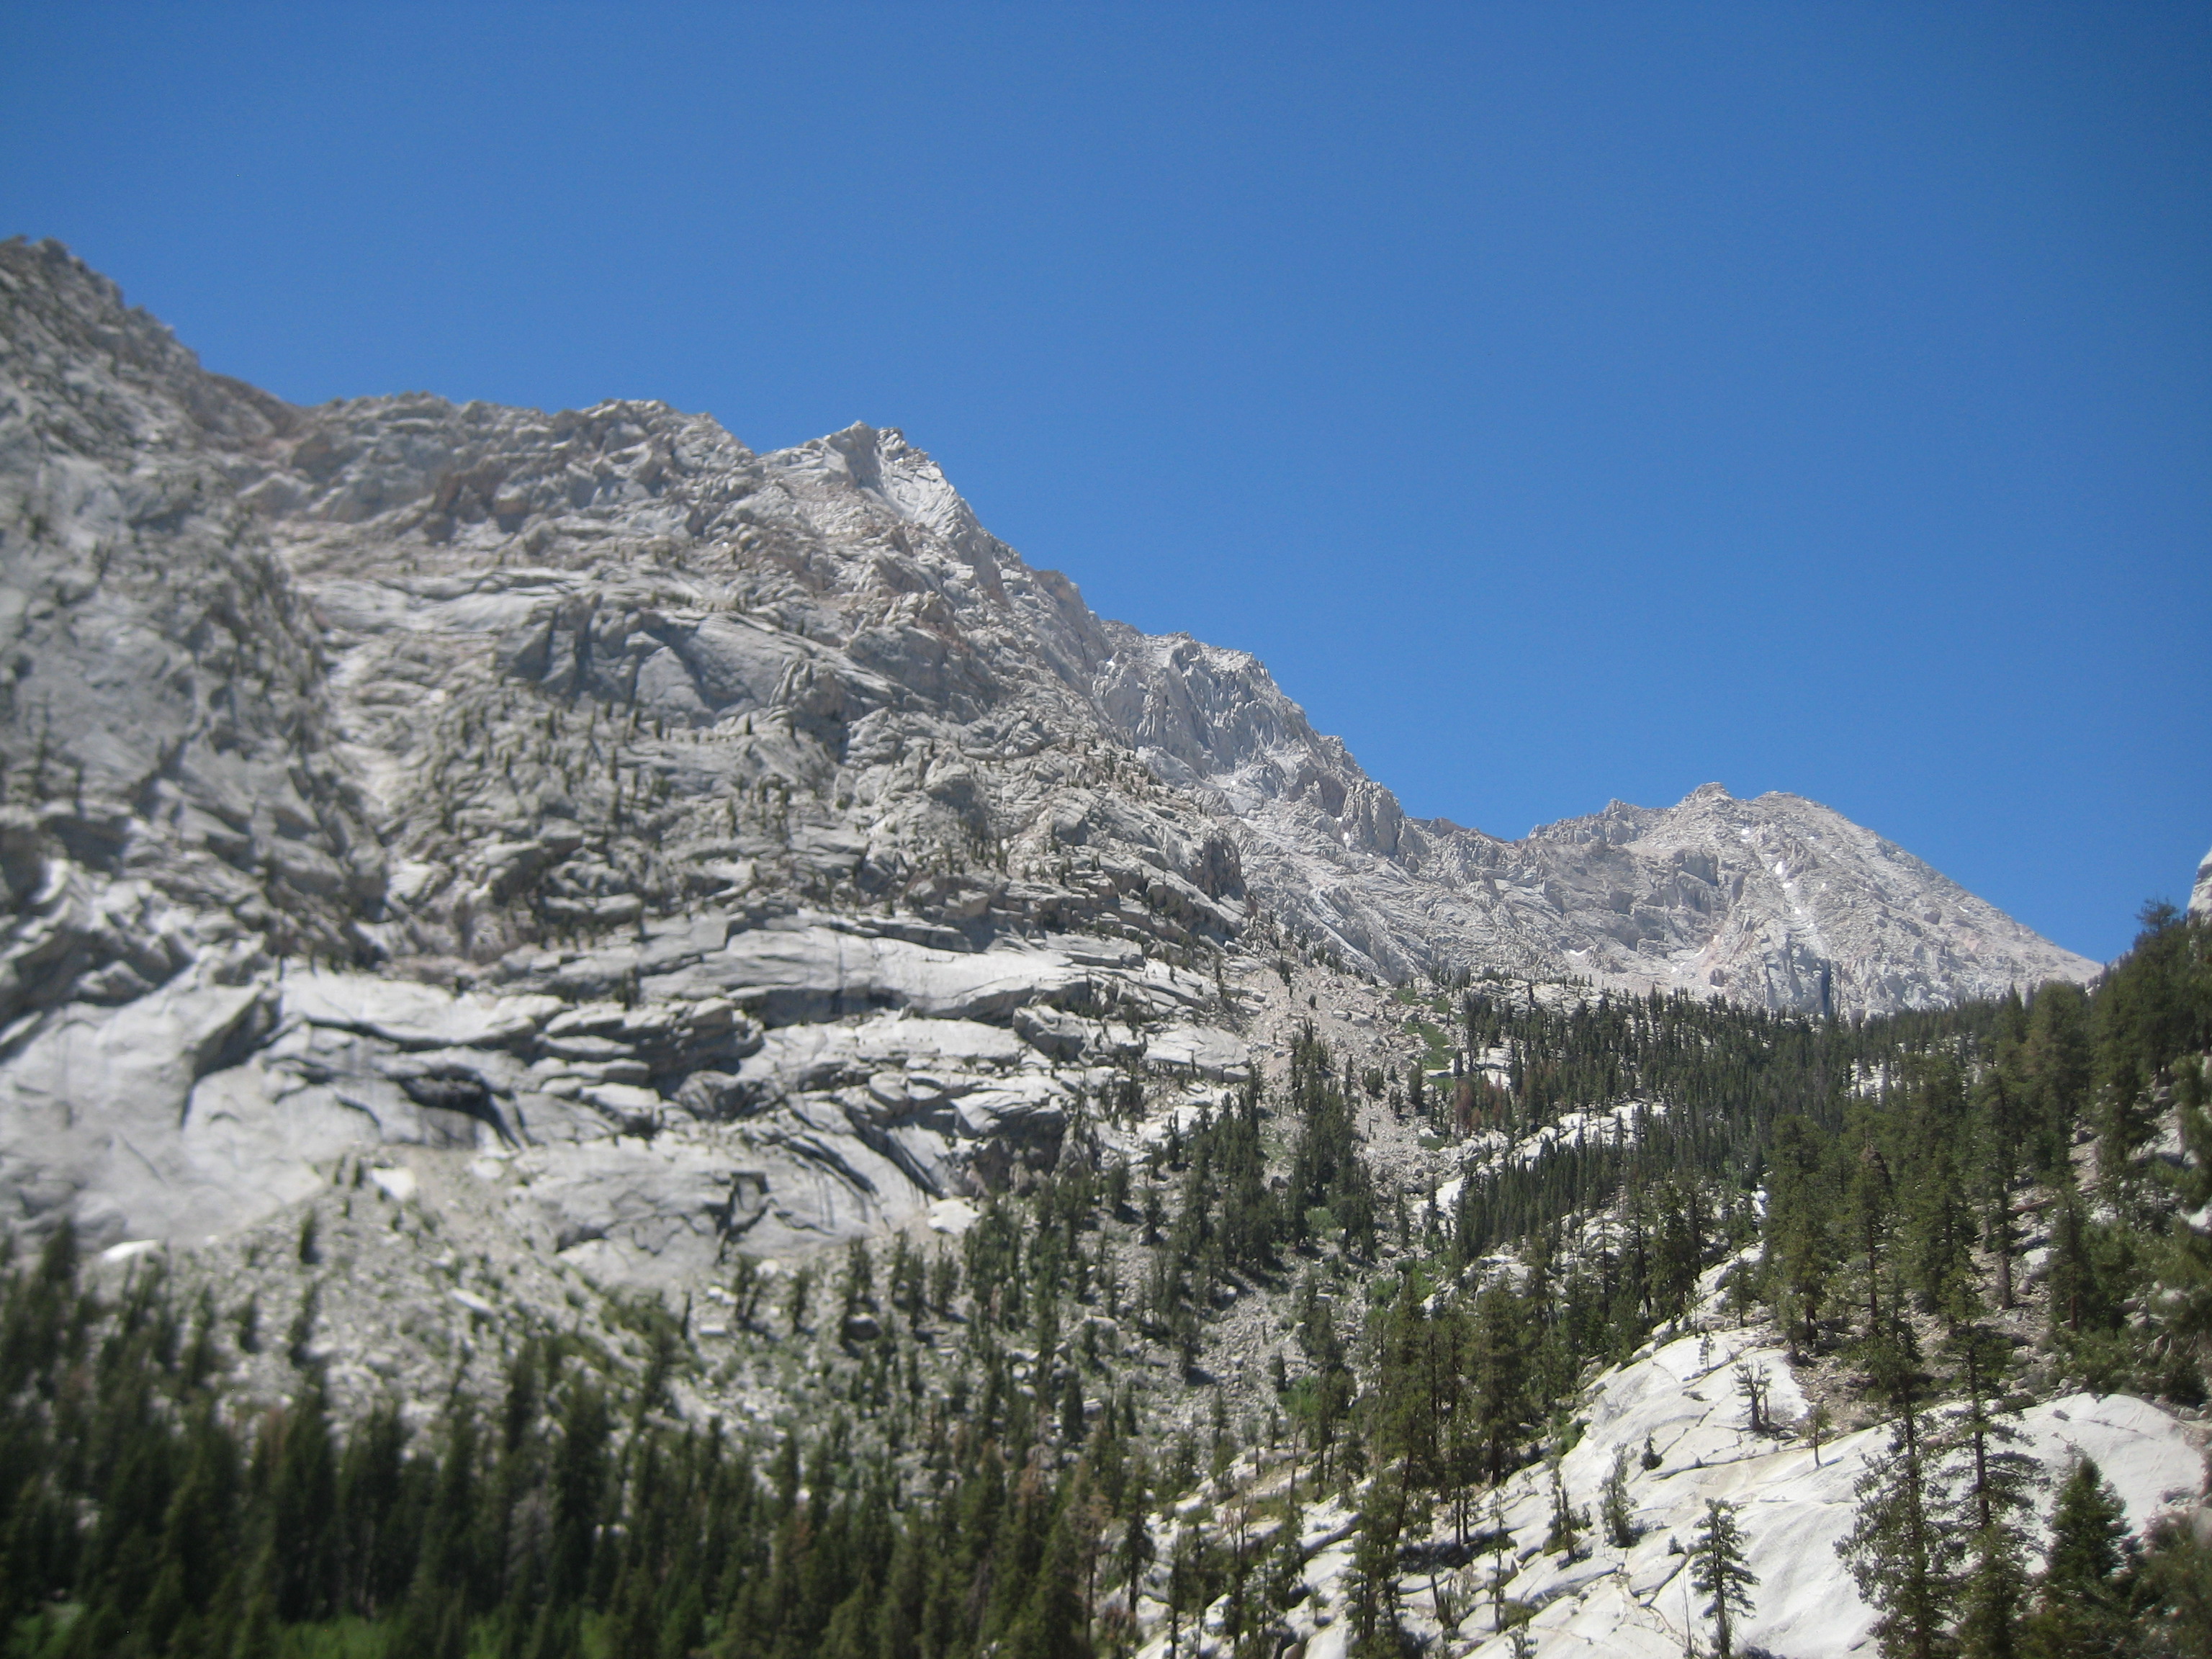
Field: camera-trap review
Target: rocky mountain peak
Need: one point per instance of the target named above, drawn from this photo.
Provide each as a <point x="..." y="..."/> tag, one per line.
<point x="666" y="747"/>
<point x="647" y="560"/>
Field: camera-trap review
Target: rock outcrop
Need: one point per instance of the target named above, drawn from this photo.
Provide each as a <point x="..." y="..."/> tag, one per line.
<point x="1673" y="1421"/>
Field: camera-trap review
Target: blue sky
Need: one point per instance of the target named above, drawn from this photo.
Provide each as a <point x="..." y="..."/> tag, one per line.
<point x="1567" y="402"/>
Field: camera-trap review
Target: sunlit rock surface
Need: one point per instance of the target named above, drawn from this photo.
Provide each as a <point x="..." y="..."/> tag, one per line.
<point x="401" y="773"/>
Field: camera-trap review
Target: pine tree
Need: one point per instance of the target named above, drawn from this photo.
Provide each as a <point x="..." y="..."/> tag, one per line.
<point x="1499" y="1374"/>
<point x="1614" y="1508"/>
<point x="2056" y="1065"/>
<point x="1568" y="1522"/>
<point x="1900" y="1554"/>
<point x="1136" y="1550"/>
<point x="1997" y="1484"/>
<point x="2187" y="1273"/>
<point x="2077" y="1299"/>
<point x="2173" y="1594"/>
<point x="2081" y="1608"/>
<point x="1797" y="1259"/>
<point x="257" y="1635"/>
<point x="1717" y="1571"/>
<point x="856" y="1286"/>
<point x="1871" y="1202"/>
<point x="302" y="1501"/>
<point x="2156" y="1006"/>
<point x="1183" y="1580"/>
<point x="1372" y="1589"/>
<point x="1753" y="1384"/>
<point x="2001" y="1131"/>
<point x="432" y="1624"/>
<point x="1993" y="1596"/>
<point x="1942" y="1225"/>
<point x="683" y="1624"/>
<point x="1282" y="1578"/>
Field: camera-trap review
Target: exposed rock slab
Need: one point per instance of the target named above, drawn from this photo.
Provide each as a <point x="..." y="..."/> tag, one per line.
<point x="1794" y="1505"/>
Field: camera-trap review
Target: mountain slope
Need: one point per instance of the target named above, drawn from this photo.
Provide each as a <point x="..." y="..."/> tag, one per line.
<point x="642" y="748"/>
<point x="938" y="700"/>
<point x="1779" y="902"/>
<point x="636" y="955"/>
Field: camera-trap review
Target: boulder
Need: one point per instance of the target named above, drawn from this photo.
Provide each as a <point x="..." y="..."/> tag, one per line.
<point x="411" y="1015"/>
<point x="92" y="1106"/>
<point x="636" y="1211"/>
<point x="1199" y="1051"/>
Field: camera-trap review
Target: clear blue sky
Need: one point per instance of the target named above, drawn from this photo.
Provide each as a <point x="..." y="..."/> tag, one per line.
<point x="1567" y="402"/>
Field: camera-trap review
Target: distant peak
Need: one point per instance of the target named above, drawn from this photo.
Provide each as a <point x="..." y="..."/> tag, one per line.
<point x="1707" y="792"/>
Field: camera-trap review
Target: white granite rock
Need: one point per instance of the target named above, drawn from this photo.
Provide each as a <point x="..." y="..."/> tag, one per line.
<point x="642" y="743"/>
<point x="1793" y="1506"/>
<point x="1199" y="1051"/>
<point x="413" y="1015"/>
<point x="92" y="1106"/>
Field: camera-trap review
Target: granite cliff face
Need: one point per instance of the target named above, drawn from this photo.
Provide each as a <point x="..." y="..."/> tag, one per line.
<point x="400" y="772"/>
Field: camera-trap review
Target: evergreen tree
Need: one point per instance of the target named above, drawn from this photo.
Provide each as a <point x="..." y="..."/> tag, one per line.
<point x="1901" y="1555"/>
<point x="1797" y="1257"/>
<point x="1996" y="1484"/>
<point x="1993" y="1595"/>
<point x="257" y="1635"/>
<point x="911" y="1520"/>
<point x="2003" y="1129"/>
<point x="1717" y="1571"/>
<point x="1500" y="1374"/>
<point x="1871" y="1197"/>
<point x="2186" y="1268"/>
<point x="1614" y="1508"/>
<point x="1941" y="1231"/>
<point x="1052" y="1621"/>
<point x="303" y="1505"/>
<point x="2173" y="1594"/>
<point x="2081" y="1603"/>
<point x="2155" y="1006"/>
<point x="2057" y="1066"/>
<point x="1568" y="1522"/>
<point x="1372" y="1591"/>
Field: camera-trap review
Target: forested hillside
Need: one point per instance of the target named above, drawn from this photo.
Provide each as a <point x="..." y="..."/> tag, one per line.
<point x="1942" y="1218"/>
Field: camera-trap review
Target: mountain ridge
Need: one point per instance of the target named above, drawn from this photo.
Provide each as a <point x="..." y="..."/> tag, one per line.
<point x="655" y="747"/>
<point x="438" y="474"/>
